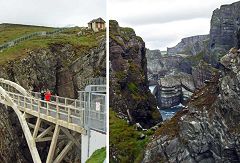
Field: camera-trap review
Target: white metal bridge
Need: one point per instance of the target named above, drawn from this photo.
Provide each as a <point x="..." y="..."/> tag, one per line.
<point x="61" y="120"/>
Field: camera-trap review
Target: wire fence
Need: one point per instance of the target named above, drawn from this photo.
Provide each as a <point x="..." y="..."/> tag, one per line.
<point x="27" y="37"/>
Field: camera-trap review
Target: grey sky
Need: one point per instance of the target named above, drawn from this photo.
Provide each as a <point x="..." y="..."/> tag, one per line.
<point x="51" y="12"/>
<point x="163" y="23"/>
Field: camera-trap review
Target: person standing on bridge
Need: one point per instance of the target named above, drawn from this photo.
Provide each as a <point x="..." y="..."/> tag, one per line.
<point x="42" y="97"/>
<point x="48" y="95"/>
<point x="42" y="94"/>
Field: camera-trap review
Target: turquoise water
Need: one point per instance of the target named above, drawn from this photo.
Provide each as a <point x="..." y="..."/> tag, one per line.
<point x="170" y="112"/>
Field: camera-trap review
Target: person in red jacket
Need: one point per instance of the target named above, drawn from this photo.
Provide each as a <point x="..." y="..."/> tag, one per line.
<point x="48" y="95"/>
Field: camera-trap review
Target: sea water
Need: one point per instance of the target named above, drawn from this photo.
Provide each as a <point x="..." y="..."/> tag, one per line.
<point x="168" y="113"/>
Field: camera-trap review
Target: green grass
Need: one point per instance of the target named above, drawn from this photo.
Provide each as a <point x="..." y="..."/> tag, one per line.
<point x="81" y="43"/>
<point x="12" y="31"/>
<point x="125" y="139"/>
<point x="132" y="87"/>
<point x="196" y="58"/>
<point x="98" y="156"/>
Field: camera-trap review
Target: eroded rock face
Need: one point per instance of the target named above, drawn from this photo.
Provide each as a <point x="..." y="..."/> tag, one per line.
<point x="224" y="32"/>
<point x="13" y="146"/>
<point x="158" y="65"/>
<point x="59" y="68"/>
<point x="208" y="129"/>
<point x="190" y="45"/>
<point x="130" y="97"/>
<point x="63" y="68"/>
<point x="174" y="89"/>
<point x="202" y="73"/>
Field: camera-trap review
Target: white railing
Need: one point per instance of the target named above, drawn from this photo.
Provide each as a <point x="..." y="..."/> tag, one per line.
<point x="89" y="111"/>
<point x="59" y="111"/>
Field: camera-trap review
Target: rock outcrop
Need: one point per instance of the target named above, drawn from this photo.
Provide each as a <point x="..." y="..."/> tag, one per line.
<point x="158" y="66"/>
<point x="130" y="97"/>
<point x="13" y="146"/>
<point x="153" y="61"/>
<point x="208" y="129"/>
<point x="174" y="89"/>
<point x="190" y="45"/>
<point x="64" y="68"/>
<point x="224" y="32"/>
<point x="202" y="73"/>
<point x="59" y="68"/>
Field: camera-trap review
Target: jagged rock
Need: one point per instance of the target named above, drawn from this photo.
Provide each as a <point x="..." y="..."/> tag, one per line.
<point x="224" y="32"/>
<point x="202" y="72"/>
<point x="142" y="136"/>
<point x="209" y="131"/>
<point x="190" y="45"/>
<point x="57" y="68"/>
<point x="175" y="89"/>
<point x="129" y="93"/>
<point x="60" y="67"/>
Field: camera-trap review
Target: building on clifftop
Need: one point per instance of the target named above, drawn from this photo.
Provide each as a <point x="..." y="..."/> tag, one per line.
<point x="97" y="24"/>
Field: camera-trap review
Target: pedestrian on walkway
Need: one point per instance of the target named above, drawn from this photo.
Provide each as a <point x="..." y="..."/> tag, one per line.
<point x="48" y="95"/>
<point x="42" y="94"/>
<point x="42" y="97"/>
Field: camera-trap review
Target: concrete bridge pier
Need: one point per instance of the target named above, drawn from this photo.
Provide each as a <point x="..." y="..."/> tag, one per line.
<point x="91" y="142"/>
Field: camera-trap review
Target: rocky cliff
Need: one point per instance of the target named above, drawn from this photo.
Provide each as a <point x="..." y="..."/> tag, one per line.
<point x="130" y="97"/>
<point x="190" y="45"/>
<point x="153" y="61"/>
<point x="224" y="32"/>
<point x="131" y="102"/>
<point x="63" y="65"/>
<point x="207" y="130"/>
<point x="159" y="65"/>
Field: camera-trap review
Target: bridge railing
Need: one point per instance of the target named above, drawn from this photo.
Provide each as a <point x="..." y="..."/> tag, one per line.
<point x="95" y="113"/>
<point x="89" y="111"/>
<point x="58" y="111"/>
<point x="62" y="100"/>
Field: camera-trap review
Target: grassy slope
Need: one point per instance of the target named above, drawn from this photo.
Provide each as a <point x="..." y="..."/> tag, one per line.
<point x="125" y="139"/>
<point x="98" y="156"/>
<point x="82" y="43"/>
<point x="11" y="31"/>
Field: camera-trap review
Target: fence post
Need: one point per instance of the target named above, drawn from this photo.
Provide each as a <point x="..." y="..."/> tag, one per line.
<point x="57" y="111"/>
<point x="69" y="112"/>
<point x="47" y="108"/>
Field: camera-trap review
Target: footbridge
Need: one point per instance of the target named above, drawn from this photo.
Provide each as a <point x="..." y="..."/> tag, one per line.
<point x="66" y="123"/>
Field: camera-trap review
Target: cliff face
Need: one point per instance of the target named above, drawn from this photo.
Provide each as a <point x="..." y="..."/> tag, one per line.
<point x="130" y="97"/>
<point x="153" y="61"/>
<point x="159" y="66"/>
<point x="190" y="45"/>
<point x="13" y="146"/>
<point x="61" y="67"/>
<point x="208" y="129"/>
<point x="224" y="32"/>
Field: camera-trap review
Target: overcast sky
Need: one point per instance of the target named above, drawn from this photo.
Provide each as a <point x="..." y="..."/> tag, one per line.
<point x="163" y="23"/>
<point x="51" y="12"/>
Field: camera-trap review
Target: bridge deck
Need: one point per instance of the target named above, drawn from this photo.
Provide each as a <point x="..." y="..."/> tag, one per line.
<point x="73" y="114"/>
<point x="67" y="116"/>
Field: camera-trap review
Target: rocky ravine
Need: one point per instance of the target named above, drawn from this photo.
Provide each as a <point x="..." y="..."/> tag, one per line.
<point x="208" y="129"/>
<point x="130" y="97"/>
<point x="64" y="69"/>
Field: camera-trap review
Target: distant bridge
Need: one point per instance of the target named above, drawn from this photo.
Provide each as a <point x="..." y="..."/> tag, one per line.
<point x="60" y="119"/>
